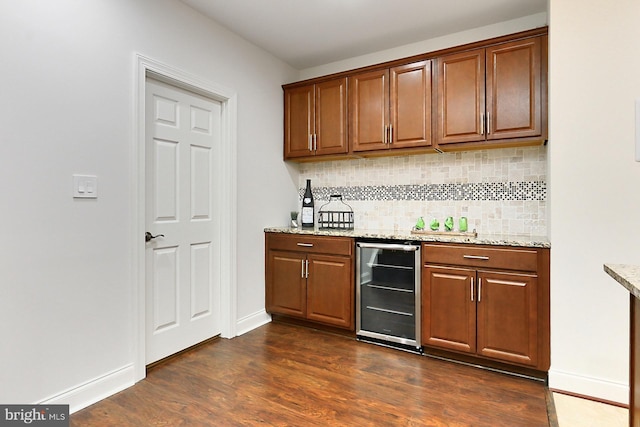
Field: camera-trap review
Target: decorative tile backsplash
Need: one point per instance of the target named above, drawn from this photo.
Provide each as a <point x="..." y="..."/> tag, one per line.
<point x="498" y="190"/>
<point x="534" y="190"/>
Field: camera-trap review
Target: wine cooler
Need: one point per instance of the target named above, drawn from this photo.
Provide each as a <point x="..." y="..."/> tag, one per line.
<point x="388" y="294"/>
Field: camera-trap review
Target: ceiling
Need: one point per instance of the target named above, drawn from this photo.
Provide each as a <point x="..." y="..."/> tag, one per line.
<point x="308" y="33"/>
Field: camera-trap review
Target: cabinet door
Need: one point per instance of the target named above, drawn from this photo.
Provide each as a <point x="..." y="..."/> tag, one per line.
<point x="461" y="97"/>
<point x="513" y="90"/>
<point x="411" y="105"/>
<point x="299" y="121"/>
<point x="507" y="317"/>
<point x="369" y="110"/>
<point x="286" y="291"/>
<point x="449" y="308"/>
<point x="330" y="290"/>
<point x="331" y="117"/>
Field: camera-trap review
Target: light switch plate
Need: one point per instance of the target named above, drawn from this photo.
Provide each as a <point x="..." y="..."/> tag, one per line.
<point x="85" y="186"/>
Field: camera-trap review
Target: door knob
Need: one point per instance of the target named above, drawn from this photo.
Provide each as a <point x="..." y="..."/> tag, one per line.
<point x="148" y="236"/>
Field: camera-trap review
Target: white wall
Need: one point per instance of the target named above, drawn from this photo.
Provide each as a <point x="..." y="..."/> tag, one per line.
<point x="594" y="199"/>
<point x="67" y="273"/>
<point x="431" y="45"/>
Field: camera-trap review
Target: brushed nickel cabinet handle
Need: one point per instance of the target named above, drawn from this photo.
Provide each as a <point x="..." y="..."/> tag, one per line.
<point x="310" y="142"/>
<point x="488" y="122"/>
<point x="315" y="142"/>
<point x="390" y="134"/>
<point x="480" y="257"/>
<point x="302" y="268"/>
<point x="479" y="289"/>
<point x="482" y="124"/>
<point x="306" y="245"/>
<point x="307" y="269"/>
<point x="472" y="289"/>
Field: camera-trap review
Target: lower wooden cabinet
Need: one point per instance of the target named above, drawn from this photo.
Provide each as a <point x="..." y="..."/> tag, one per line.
<point x="286" y="291"/>
<point x="507" y="318"/>
<point x="311" y="277"/>
<point x="488" y="303"/>
<point x="448" y="308"/>
<point x="496" y="314"/>
<point x="489" y="313"/>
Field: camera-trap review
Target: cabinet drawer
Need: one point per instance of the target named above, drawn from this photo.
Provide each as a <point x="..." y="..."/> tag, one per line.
<point x="483" y="257"/>
<point x="310" y="244"/>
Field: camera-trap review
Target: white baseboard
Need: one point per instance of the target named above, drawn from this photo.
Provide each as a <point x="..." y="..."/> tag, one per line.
<point x="99" y="388"/>
<point x="92" y="391"/>
<point x="588" y="386"/>
<point x="252" y="321"/>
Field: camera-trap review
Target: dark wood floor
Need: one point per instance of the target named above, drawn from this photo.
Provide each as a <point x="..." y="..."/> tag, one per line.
<point x="284" y="375"/>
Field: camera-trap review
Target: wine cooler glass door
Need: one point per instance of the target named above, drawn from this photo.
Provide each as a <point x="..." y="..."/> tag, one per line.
<point x="388" y="300"/>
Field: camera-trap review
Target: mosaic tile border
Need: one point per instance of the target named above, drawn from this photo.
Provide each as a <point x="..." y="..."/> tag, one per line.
<point x="489" y="191"/>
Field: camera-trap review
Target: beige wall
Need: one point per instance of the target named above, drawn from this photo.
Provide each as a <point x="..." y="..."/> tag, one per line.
<point x="595" y="202"/>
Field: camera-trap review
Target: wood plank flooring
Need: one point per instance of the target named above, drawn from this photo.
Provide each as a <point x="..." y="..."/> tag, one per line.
<point x="286" y="375"/>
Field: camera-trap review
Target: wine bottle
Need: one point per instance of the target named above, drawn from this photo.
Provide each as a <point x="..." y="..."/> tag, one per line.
<point x="308" y="219"/>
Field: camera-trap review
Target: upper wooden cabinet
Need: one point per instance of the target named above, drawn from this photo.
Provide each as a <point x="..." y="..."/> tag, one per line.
<point x="316" y="119"/>
<point x="491" y="96"/>
<point x="487" y="94"/>
<point x="390" y="108"/>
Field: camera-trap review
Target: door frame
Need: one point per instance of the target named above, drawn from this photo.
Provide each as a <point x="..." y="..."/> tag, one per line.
<point x="147" y="67"/>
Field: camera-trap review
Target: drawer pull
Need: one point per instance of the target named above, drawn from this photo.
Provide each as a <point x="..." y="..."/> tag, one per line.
<point x="484" y="258"/>
<point x="479" y="289"/>
<point x="306" y="245"/>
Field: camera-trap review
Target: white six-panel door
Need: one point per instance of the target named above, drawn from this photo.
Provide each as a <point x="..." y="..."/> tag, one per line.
<point x="182" y="268"/>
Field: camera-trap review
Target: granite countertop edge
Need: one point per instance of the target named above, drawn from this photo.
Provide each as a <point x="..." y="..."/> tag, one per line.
<point x="627" y="275"/>
<point x="481" y="239"/>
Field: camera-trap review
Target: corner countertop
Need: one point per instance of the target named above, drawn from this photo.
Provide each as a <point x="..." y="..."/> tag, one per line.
<point x="481" y="239"/>
<point x="627" y="275"/>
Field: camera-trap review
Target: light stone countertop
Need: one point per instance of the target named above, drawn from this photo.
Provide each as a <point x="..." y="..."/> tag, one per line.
<point x="627" y="275"/>
<point x="482" y="239"/>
